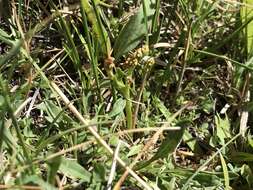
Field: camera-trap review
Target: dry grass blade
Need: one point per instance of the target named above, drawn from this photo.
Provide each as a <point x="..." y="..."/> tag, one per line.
<point x="244" y="118"/>
<point x="113" y="168"/>
<point x="25" y="187"/>
<point x="18" y="111"/>
<point x="36" y="93"/>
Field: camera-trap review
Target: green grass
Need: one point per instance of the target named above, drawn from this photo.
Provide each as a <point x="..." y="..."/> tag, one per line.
<point x="146" y="94"/>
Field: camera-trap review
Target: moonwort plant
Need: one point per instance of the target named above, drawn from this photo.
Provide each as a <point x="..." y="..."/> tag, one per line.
<point x="122" y="81"/>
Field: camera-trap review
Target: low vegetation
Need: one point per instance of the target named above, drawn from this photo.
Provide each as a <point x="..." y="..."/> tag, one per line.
<point x="145" y="94"/>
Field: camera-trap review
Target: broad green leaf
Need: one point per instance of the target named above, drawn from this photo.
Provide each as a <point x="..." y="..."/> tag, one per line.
<point x="250" y="141"/>
<point x="74" y="170"/>
<point x="1" y="100"/>
<point x="170" y="143"/>
<point x="114" y="140"/>
<point x="134" y="150"/>
<point x="192" y="142"/>
<point x="134" y="31"/>
<point x="99" y="172"/>
<point x="118" y="107"/>
<point x="246" y="173"/>
<point x="223" y="128"/>
<point x="37" y="180"/>
<point x="53" y="111"/>
<point x="53" y="166"/>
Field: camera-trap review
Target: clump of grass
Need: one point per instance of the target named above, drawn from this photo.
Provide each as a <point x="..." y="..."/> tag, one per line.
<point x="128" y="94"/>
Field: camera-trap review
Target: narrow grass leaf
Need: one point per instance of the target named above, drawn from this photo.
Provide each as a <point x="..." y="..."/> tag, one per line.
<point x="5" y="37"/>
<point x="13" y="52"/>
<point x="242" y="157"/>
<point x="69" y="45"/>
<point x="8" y="137"/>
<point x="205" y="178"/>
<point x="159" y="104"/>
<point x="225" y="172"/>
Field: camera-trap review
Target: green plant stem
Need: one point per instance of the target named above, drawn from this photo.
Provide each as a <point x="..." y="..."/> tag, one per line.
<point x="145" y="20"/>
<point x="187" y="47"/>
<point x="129" y="114"/>
<point x="136" y="110"/>
<point x="124" y="89"/>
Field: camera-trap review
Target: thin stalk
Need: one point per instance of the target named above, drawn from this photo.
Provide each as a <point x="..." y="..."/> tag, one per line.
<point x="245" y="66"/>
<point x="139" y="97"/>
<point x="129" y="114"/>
<point x="74" y="136"/>
<point x="92" y="141"/>
<point x="1" y="131"/>
<point x="156" y="17"/>
<point x="121" y="2"/>
<point x="145" y="20"/>
<point x="187" y="47"/>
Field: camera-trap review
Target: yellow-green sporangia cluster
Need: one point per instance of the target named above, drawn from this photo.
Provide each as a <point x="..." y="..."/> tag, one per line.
<point x="141" y="55"/>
